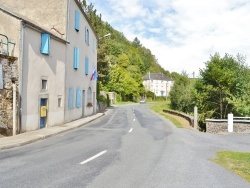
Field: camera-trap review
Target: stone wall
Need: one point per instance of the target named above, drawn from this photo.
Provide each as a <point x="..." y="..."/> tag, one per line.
<point x="102" y="106"/>
<point x="220" y="126"/>
<point x="189" y="118"/>
<point x="9" y="76"/>
<point x="216" y="126"/>
<point x="112" y="96"/>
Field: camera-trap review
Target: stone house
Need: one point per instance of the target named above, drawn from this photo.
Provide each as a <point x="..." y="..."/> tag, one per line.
<point x="157" y="83"/>
<point x="56" y="51"/>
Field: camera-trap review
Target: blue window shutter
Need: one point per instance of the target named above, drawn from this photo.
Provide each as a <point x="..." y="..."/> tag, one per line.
<point x="45" y="43"/>
<point x="78" y="98"/>
<point x="71" y="98"/>
<point x="77" y="20"/>
<point x="76" y="58"/>
<point x="86" y="65"/>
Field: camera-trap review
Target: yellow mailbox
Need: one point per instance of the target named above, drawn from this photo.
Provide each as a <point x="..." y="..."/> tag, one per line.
<point x="43" y="111"/>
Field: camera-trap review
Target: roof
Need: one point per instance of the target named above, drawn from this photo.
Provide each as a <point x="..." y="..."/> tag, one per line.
<point x="156" y="76"/>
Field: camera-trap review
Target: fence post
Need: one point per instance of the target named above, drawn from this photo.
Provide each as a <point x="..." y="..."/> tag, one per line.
<point x="195" y="117"/>
<point x="230" y="121"/>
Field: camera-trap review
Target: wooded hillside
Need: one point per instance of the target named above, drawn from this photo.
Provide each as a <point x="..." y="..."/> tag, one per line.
<point x="121" y="63"/>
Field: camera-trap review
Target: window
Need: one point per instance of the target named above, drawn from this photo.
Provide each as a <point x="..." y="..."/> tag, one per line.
<point x="59" y="101"/>
<point x="44" y="84"/>
<point x="45" y="43"/>
<point x="86" y="65"/>
<point x="71" y="98"/>
<point x="89" y="95"/>
<point x="78" y="98"/>
<point x="76" y="58"/>
<point x="87" y="35"/>
<point x="77" y="20"/>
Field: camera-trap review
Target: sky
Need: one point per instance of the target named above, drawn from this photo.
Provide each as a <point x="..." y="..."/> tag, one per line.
<point x="182" y="34"/>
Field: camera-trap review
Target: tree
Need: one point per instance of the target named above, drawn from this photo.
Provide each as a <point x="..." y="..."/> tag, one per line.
<point x="181" y="94"/>
<point x="224" y="82"/>
<point x="136" y="43"/>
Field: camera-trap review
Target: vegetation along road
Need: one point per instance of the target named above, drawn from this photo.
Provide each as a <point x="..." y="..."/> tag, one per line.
<point x="129" y="147"/>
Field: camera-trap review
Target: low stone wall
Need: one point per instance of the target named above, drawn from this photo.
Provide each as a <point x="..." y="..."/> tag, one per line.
<point x="220" y="126"/>
<point x="102" y="106"/>
<point x="216" y="126"/>
<point x="112" y="96"/>
<point x="189" y="118"/>
<point x="9" y="74"/>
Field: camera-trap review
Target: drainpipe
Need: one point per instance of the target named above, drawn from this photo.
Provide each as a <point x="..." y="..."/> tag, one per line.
<point x="14" y="109"/>
<point x="20" y="88"/>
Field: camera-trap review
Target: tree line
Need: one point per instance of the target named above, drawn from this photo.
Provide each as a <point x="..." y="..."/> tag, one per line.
<point x="223" y="88"/>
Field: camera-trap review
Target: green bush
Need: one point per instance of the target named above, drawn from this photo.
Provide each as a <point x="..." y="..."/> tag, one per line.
<point x="101" y="98"/>
<point x="118" y="98"/>
<point x="108" y="100"/>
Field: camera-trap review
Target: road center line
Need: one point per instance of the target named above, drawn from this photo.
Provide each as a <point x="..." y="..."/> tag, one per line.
<point x="94" y="157"/>
<point x="130" y="130"/>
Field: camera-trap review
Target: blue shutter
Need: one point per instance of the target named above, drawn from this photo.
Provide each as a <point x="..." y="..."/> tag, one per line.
<point x="71" y="98"/>
<point x="76" y="58"/>
<point x="78" y="98"/>
<point x="86" y="65"/>
<point x="77" y="20"/>
<point x="45" y="43"/>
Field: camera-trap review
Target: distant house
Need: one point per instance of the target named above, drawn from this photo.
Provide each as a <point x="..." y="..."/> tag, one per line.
<point x="158" y="83"/>
<point x="56" y="51"/>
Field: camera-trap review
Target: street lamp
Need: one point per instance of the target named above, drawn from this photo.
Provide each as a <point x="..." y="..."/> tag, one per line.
<point x="107" y="35"/>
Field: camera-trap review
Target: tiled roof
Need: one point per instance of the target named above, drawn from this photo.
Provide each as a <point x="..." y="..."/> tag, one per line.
<point x="156" y="76"/>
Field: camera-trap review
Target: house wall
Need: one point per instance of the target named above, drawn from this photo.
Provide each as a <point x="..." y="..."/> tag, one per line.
<point x="9" y="26"/>
<point x="76" y="78"/>
<point x="158" y="87"/>
<point x="37" y="66"/>
<point x="56" y="67"/>
<point x="47" y="14"/>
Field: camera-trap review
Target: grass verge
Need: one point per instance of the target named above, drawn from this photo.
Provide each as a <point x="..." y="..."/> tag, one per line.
<point x="238" y="162"/>
<point x="158" y="108"/>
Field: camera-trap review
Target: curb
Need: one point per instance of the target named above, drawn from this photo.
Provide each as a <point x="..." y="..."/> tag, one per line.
<point x="48" y="135"/>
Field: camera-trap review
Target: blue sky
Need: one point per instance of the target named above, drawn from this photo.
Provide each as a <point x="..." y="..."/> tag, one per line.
<point x="182" y="34"/>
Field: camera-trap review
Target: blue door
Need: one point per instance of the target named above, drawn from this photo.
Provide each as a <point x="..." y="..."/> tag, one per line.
<point x="43" y="116"/>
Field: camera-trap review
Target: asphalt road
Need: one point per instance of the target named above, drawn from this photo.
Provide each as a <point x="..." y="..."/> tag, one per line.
<point x="130" y="147"/>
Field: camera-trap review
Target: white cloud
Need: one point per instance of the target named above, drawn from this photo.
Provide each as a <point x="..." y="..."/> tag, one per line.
<point x="182" y="33"/>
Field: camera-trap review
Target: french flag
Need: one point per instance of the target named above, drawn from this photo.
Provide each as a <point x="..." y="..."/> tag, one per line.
<point x="94" y="75"/>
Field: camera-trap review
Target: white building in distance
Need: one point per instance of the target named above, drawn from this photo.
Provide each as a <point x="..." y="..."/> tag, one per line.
<point x="158" y="83"/>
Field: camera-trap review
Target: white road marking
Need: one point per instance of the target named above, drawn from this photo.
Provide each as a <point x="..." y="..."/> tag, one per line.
<point x="94" y="157"/>
<point x="130" y="130"/>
